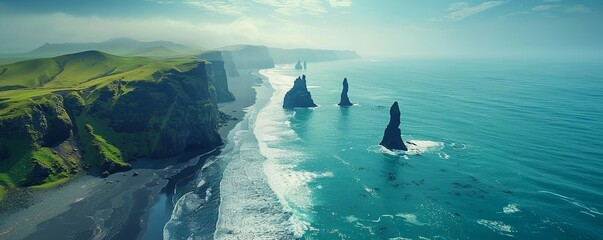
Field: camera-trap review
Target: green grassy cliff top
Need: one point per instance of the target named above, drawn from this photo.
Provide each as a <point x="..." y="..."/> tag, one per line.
<point x="23" y="82"/>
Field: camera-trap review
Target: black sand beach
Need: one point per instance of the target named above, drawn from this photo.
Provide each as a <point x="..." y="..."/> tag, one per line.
<point x="116" y="207"/>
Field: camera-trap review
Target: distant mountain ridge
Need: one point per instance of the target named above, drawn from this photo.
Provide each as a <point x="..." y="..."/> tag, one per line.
<point x="117" y="46"/>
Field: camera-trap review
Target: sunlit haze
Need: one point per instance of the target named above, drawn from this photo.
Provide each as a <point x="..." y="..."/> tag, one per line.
<point x="512" y="28"/>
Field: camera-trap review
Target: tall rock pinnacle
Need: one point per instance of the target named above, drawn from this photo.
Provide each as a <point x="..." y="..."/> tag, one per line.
<point x="298" y="96"/>
<point x="298" y="65"/>
<point x="392" y="137"/>
<point x="345" y="100"/>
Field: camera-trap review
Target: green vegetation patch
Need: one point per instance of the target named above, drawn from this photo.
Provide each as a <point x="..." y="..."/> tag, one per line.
<point x="15" y="168"/>
<point x="2" y="192"/>
<point x="103" y="154"/>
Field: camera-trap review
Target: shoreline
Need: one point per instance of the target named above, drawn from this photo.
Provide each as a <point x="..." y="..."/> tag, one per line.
<point x="117" y="206"/>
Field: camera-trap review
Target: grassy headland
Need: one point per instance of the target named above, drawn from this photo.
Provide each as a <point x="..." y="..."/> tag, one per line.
<point x="96" y="111"/>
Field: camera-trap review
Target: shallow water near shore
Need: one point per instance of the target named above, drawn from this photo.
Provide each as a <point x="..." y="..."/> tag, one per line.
<point x="498" y="149"/>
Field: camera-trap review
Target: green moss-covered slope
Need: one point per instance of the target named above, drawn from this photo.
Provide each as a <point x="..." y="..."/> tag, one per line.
<point x="97" y="111"/>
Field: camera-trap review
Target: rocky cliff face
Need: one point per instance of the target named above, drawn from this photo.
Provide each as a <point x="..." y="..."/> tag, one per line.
<point x="46" y="123"/>
<point x="392" y="138"/>
<point x="298" y="96"/>
<point x="217" y="73"/>
<point x="217" y="76"/>
<point x="176" y="113"/>
<point x="25" y="140"/>
<point x="229" y="64"/>
<point x="111" y="124"/>
<point x="222" y="56"/>
<point x="345" y="100"/>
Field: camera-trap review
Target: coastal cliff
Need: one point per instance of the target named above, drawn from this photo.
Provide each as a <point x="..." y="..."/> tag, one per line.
<point x="63" y="119"/>
<point x="298" y="96"/>
<point x="250" y="56"/>
<point x="218" y="74"/>
<point x="392" y="138"/>
<point x="222" y="56"/>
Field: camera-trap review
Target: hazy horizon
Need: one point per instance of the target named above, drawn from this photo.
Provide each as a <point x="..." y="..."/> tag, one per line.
<point x="512" y="28"/>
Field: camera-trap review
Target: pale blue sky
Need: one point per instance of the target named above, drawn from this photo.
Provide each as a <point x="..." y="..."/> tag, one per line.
<point x="408" y="28"/>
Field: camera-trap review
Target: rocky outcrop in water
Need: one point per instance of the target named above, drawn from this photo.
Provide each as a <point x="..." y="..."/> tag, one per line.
<point x="298" y="96"/>
<point x="392" y="137"/>
<point x="305" y="65"/>
<point x="345" y="100"/>
<point x="298" y="66"/>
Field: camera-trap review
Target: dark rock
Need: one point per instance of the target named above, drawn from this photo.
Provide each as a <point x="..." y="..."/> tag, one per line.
<point x="113" y="167"/>
<point x="105" y="174"/>
<point x="392" y="138"/>
<point x="38" y="174"/>
<point x="298" y="96"/>
<point x="134" y="174"/>
<point x="305" y="65"/>
<point x="216" y="72"/>
<point x="345" y="100"/>
<point x="298" y="66"/>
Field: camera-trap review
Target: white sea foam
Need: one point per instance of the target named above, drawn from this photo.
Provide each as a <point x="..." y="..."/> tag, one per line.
<point x="351" y="218"/>
<point x="410" y="218"/>
<point x="511" y="208"/>
<point x="370" y="191"/>
<point x="263" y="193"/>
<point x="586" y="209"/>
<point x="415" y="147"/>
<point x="201" y="183"/>
<point x="497" y="226"/>
<point x="458" y="146"/>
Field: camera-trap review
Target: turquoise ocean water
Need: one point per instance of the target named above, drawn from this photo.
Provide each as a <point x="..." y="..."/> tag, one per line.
<point x="502" y="149"/>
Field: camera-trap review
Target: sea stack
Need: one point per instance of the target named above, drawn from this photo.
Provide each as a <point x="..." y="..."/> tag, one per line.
<point x="305" y="66"/>
<point x="298" y="96"/>
<point x="345" y="100"/>
<point x="392" y="137"/>
<point x="298" y="66"/>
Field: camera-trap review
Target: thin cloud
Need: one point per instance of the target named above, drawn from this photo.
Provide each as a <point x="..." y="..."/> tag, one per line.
<point x="340" y="3"/>
<point x="462" y="10"/>
<point x="295" y="7"/>
<point x="580" y="8"/>
<point x="282" y="7"/>
<point x="545" y="7"/>
<point x="219" y="7"/>
<point x="458" y="6"/>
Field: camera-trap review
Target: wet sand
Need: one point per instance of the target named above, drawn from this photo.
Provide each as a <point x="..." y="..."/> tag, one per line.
<point x="116" y="207"/>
